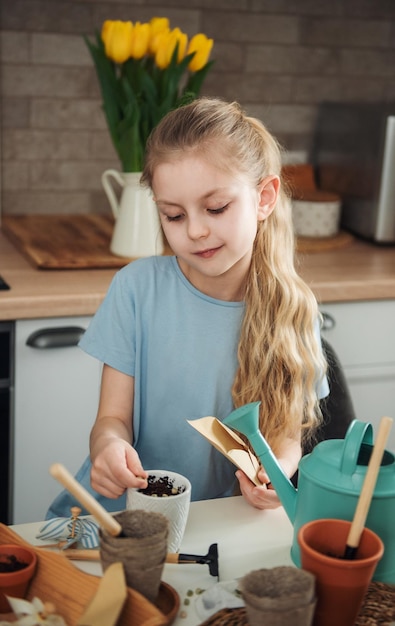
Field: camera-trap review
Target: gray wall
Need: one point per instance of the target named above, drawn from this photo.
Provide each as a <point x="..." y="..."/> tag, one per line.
<point x="279" y="58"/>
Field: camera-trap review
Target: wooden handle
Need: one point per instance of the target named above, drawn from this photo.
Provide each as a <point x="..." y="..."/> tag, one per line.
<point x="75" y="554"/>
<point x="172" y="557"/>
<point x="365" y="497"/>
<point x="83" y="496"/>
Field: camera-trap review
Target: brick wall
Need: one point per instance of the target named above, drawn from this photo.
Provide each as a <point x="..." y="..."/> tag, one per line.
<point x="279" y="58"/>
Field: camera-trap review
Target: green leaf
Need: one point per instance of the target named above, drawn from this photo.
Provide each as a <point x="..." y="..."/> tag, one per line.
<point x="131" y="150"/>
<point x="106" y="73"/>
<point x="196" y="79"/>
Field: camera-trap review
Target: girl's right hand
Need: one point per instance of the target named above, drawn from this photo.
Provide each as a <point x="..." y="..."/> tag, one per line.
<point x="260" y="497"/>
<point x="117" y="467"/>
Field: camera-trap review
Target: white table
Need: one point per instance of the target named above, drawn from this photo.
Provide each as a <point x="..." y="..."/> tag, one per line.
<point x="247" y="539"/>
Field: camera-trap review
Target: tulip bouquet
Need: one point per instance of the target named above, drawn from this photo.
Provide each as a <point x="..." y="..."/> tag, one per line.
<point x="145" y="70"/>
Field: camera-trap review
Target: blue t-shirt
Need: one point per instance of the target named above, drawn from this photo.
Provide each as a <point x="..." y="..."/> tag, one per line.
<point x="181" y="348"/>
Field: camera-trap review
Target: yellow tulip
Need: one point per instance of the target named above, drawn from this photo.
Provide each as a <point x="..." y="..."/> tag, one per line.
<point x="181" y="38"/>
<point x="201" y="46"/>
<point x="166" y="43"/>
<point x="117" y="37"/>
<point x="140" y="40"/>
<point x="105" y="30"/>
<point x="161" y="50"/>
<point x="158" y="25"/>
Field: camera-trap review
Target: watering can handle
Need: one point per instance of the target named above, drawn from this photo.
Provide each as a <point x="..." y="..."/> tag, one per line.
<point x="108" y="188"/>
<point x="357" y="434"/>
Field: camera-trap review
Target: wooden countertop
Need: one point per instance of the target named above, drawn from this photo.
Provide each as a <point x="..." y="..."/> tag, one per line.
<point x="358" y="271"/>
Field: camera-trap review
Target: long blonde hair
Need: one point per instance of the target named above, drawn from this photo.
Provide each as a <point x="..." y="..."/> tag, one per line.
<point x="279" y="359"/>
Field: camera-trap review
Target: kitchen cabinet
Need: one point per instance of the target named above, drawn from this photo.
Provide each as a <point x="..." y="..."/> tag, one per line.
<point x="56" y="398"/>
<point x="363" y="335"/>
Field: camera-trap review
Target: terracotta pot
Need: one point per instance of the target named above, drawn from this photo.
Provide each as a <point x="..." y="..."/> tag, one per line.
<point x="341" y="584"/>
<point x="15" y="584"/>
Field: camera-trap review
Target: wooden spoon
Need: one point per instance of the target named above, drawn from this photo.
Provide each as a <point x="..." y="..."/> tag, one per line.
<point x="103" y="517"/>
<point x="365" y="497"/>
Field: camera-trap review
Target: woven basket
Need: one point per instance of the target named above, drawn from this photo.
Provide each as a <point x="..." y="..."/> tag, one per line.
<point x="378" y="609"/>
<point x="71" y="590"/>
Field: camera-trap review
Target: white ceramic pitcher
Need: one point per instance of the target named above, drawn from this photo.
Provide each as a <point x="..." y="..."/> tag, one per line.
<point x="137" y="230"/>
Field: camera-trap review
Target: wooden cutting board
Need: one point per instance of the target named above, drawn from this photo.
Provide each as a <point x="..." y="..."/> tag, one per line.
<point x="64" y="241"/>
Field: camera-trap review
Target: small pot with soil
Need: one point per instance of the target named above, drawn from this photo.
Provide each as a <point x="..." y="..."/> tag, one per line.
<point x="167" y="493"/>
<point x="17" y="567"/>
<point x="141" y="548"/>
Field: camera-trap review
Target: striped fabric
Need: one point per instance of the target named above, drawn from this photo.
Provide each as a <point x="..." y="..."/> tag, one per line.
<point x="84" y="531"/>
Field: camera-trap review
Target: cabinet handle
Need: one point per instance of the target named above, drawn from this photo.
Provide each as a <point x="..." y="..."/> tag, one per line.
<point x="61" y="337"/>
<point x="328" y="322"/>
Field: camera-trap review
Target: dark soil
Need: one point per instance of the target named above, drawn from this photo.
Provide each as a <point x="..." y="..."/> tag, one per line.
<point x="161" y="487"/>
<point x="333" y="555"/>
<point x="9" y="563"/>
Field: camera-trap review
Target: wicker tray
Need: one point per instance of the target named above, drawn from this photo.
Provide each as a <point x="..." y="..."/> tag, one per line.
<point x="71" y="590"/>
<point x="378" y="609"/>
<point x="323" y="244"/>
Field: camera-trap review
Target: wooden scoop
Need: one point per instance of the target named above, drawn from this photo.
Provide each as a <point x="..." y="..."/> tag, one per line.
<point x="103" y="517"/>
<point x="365" y="497"/>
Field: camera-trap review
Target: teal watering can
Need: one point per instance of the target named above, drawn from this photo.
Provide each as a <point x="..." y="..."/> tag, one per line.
<point x="330" y="480"/>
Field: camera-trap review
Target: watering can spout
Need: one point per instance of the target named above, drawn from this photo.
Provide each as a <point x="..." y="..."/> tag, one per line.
<point x="245" y="420"/>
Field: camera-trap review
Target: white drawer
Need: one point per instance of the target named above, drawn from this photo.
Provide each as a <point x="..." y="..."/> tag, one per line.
<point x="362" y="333"/>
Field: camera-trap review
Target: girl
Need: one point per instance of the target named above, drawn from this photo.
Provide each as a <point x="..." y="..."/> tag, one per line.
<point x="223" y="322"/>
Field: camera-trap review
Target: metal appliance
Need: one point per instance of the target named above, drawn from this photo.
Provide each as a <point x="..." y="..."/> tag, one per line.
<point x="354" y="156"/>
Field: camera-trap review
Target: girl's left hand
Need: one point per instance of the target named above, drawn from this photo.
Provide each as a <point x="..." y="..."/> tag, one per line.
<point x="260" y="497"/>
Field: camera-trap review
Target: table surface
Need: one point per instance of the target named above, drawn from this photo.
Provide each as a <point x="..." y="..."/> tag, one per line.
<point x="247" y="539"/>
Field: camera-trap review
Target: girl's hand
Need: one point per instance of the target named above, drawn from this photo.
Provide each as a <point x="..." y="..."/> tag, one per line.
<point x="262" y="497"/>
<point x="116" y="468"/>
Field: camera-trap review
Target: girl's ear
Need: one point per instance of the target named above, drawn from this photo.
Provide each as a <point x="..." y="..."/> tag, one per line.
<point x="268" y="190"/>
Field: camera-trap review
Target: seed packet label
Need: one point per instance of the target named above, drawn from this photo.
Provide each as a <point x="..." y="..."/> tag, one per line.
<point x="229" y="444"/>
<point x="107" y="603"/>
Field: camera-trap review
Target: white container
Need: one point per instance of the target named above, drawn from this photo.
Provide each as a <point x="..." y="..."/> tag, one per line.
<point x="316" y="218"/>
<point x="137" y="230"/>
<point x="175" y="508"/>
